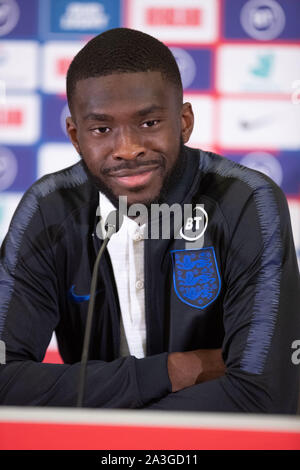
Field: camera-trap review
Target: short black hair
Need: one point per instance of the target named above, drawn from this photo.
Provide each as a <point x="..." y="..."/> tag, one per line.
<point x="122" y="50"/>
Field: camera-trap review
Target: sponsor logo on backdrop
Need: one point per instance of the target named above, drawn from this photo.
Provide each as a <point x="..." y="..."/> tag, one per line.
<point x="17" y="167"/>
<point x="178" y="22"/>
<point x="170" y="16"/>
<point x="57" y="56"/>
<point x="263" y="65"/>
<point x="19" y="119"/>
<point x="265" y="163"/>
<point x="268" y="124"/>
<point x="84" y="16"/>
<point x="255" y="123"/>
<point x="8" y="168"/>
<point x="55" y="111"/>
<point x="9" y="16"/>
<point x="61" y="66"/>
<point x="66" y="18"/>
<point x="263" y="19"/>
<point x="13" y="116"/>
<point x="186" y="64"/>
<point x="261" y="69"/>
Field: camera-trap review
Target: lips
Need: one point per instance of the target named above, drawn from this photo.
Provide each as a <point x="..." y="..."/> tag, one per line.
<point x="135" y="177"/>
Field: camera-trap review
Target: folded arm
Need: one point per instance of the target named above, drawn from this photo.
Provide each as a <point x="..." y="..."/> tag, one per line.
<point x="260" y="315"/>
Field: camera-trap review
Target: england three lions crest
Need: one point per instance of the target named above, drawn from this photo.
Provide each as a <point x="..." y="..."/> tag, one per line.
<point x="196" y="276"/>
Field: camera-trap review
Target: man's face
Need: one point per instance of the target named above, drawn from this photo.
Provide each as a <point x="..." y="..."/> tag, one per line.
<point x="128" y="129"/>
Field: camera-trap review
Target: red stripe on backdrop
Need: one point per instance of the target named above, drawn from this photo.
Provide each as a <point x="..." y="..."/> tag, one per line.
<point x="54" y="436"/>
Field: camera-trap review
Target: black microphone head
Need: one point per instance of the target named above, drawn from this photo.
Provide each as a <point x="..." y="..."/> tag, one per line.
<point x="113" y="222"/>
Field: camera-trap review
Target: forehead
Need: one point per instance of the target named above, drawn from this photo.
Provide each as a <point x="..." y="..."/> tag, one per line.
<point x="124" y="91"/>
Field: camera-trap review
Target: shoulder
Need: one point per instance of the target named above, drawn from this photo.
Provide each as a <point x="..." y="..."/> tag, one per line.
<point x="48" y="203"/>
<point x="231" y="174"/>
<point x="70" y="178"/>
<point x="56" y="193"/>
<point x="232" y="185"/>
<point x="247" y="201"/>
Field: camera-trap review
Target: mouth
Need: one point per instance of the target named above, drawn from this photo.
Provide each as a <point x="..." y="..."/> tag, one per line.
<point x="135" y="177"/>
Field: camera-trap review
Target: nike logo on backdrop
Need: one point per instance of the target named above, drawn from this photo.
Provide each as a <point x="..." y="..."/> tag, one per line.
<point x="255" y="123"/>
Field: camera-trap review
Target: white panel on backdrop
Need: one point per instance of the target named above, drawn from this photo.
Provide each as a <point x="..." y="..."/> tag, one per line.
<point x="57" y="56"/>
<point x="20" y="119"/>
<point x="256" y="68"/>
<point x="19" y="64"/>
<point x="8" y="205"/>
<point x="55" y="157"/>
<point x="175" y="21"/>
<point x="270" y="124"/>
<point x="203" y="107"/>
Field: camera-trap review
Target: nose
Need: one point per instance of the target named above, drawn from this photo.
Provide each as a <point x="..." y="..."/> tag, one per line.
<point x="127" y="145"/>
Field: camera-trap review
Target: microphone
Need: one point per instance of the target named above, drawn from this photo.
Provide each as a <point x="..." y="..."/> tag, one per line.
<point x="112" y="225"/>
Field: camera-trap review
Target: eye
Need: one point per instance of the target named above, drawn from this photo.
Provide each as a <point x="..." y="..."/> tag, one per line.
<point x="101" y="130"/>
<point x="151" y="123"/>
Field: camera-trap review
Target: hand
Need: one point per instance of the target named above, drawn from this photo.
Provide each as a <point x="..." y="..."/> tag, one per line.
<point x="193" y="367"/>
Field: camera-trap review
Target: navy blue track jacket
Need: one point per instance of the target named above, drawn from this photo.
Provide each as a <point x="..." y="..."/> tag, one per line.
<point x="240" y="291"/>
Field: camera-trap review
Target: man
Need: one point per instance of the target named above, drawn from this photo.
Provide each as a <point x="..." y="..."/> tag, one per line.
<point x="167" y="312"/>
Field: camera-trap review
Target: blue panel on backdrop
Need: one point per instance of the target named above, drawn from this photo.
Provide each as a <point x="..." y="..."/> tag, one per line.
<point x="263" y="20"/>
<point x="283" y="167"/>
<point x="18" y="19"/>
<point x="75" y="18"/>
<point x="55" y="111"/>
<point x="17" y="168"/>
<point x="195" y="67"/>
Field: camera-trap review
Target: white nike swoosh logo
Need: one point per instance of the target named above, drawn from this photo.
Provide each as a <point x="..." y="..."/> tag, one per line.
<point x="250" y="124"/>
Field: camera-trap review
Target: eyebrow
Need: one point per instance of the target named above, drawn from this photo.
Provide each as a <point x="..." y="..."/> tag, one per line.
<point x="97" y="117"/>
<point x="107" y="117"/>
<point x="150" y="109"/>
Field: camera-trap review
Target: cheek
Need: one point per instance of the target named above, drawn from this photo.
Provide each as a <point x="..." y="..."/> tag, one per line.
<point x="93" y="154"/>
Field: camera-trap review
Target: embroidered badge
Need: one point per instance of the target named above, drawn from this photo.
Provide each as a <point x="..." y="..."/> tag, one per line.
<point x="196" y="276"/>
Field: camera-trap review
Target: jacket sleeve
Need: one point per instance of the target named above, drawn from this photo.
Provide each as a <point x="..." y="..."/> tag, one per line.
<point x="261" y="316"/>
<point x="29" y="313"/>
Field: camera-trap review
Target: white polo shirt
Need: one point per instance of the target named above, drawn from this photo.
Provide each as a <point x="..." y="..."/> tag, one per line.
<point x="126" y="250"/>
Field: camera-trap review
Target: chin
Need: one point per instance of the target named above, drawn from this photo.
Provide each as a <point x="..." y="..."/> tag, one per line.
<point x="144" y="198"/>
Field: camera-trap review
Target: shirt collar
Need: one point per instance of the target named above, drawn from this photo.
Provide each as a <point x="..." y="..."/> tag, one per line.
<point x="106" y="206"/>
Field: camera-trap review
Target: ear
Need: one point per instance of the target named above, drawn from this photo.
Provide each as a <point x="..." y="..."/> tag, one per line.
<point x="72" y="132"/>
<point x="187" y="121"/>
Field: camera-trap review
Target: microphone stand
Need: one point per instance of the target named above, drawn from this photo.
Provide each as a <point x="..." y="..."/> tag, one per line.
<point x="87" y="335"/>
